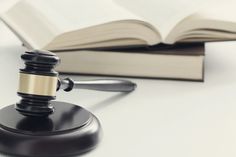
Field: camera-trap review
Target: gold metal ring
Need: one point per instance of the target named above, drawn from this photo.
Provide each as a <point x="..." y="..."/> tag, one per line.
<point x="38" y="84"/>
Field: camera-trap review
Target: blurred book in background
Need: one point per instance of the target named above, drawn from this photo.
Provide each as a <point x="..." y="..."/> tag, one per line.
<point x="184" y="62"/>
<point x="104" y="29"/>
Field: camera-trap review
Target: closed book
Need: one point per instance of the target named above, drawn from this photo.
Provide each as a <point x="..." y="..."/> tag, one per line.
<point x="184" y="62"/>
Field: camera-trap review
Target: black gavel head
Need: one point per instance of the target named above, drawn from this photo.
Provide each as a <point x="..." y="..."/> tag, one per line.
<point x="38" y="83"/>
<point x="71" y="129"/>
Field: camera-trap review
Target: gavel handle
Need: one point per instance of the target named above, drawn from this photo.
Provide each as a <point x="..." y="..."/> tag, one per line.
<point x="100" y="85"/>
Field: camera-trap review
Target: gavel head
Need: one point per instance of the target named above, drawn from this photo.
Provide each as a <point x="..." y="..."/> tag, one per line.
<point x="38" y="83"/>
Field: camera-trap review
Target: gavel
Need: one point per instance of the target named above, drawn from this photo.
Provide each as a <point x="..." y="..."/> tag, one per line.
<point x="39" y="82"/>
<point x="39" y="126"/>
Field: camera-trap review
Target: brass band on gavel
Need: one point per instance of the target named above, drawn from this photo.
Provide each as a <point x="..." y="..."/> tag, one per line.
<point x="37" y="84"/>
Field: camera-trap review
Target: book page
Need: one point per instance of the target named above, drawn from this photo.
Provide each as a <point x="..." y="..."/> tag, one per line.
<point x="212" y="23"/>
<point x="82" y="13"/>
<point x="164" y="14"/>
<point x="224" y="12"/>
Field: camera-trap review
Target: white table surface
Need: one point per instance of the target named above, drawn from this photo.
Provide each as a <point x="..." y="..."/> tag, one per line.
<point x="161" y="118"/>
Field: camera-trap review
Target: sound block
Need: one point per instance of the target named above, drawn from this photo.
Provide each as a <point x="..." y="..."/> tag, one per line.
<point x="70" y="130"/>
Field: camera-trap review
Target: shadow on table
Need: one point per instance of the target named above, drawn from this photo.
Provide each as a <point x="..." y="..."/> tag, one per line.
<point x="107" y="102"/>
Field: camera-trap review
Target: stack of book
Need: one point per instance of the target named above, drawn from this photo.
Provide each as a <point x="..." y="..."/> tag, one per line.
<point x="106" y="38"/>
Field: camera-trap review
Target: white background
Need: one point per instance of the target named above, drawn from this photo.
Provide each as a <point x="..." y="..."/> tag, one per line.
<point x="161" y="118"/>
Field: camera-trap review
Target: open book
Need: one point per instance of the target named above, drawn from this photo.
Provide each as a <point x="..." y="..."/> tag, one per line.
<point x="81" y="24"/>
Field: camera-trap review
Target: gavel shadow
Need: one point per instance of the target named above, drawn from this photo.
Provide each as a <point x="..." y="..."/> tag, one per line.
<point x="107" y="102"/>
